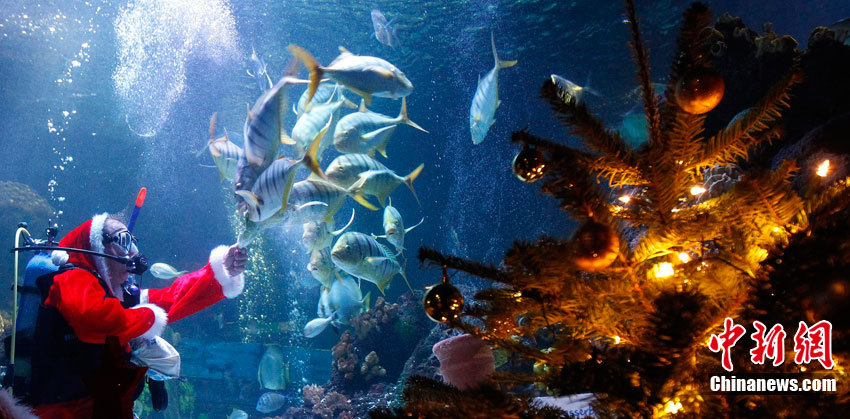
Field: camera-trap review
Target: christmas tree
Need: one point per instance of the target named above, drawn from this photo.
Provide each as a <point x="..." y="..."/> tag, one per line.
<point x="676" y="236"/>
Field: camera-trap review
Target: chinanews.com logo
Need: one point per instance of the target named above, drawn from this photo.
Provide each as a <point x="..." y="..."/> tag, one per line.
<point x="811" y="343"/>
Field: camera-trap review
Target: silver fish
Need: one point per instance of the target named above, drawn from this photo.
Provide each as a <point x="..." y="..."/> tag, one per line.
<point x="385" y="32"/>
<point x="260" y="73"/>
<point x="270" y="193"/>
<point x="364" y="131"/>
<point x="269" y="402"/>
<point x="237" y="414"/>
<point x="316" y="326"/>
<point x="345" y="170"/>
<point x="323" y="94"/>
<point x="319" y="234"/>
<point x="381" y="183"/>
<point x="486" y="99"/>
<point x="364" y="75"/>
<point x="339" y="303"/>
<point x="362" y="256"/>
<point x="273" y="371"/>
<point x="316" y="200"/>
<point x="321" y="266"/>
<point x="569" y="91"/>
<point x="225" y="154"/>
<point x="312" y="122"/>
<point x="394" y="230"/>
<point x="165" y="271"/>
<point x="262" y="134"/>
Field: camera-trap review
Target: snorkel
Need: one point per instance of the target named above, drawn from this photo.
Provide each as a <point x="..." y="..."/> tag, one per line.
<point x="130" y="286"/>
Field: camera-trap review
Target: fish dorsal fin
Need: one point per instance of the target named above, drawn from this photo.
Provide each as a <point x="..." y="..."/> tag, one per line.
<point x="407" y="230"/>
<point x="248" y="107"/>
<point x="362" y="106"/>
<point x="351" y="220"/>
<point x="381" y="71"/>
<point x="343" y="50"/>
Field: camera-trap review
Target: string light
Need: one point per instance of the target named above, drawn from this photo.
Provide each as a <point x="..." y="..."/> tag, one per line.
<point x="625" y="199"/>
<point x="696" y="190"/>
<point x="663" y="270"/>
<point x="617" y="340"/>
<point x="683" y="256"/>
<point x="823" y="168"/>
<point x="672" y="407"/>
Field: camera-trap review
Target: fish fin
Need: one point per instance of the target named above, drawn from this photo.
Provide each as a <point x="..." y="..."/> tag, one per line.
<point x="498" y="103"/>
<point x="293" y="110"/>
<point x="365" y="95"/>
<point x="354" y="191"/>
<point x="269" y="80"/>
<point x="382" y="236"/>
<point x="499" y="63"/>
<point x="366" y="301"/>
<point x="407" y="230"/>
<point x="286" y="191"/>
<point x="381" y="71"/>
<point x="248" y="107"/>
<point x="382" y="199"/>
<point x="309" y="204"/>
<point x="347" y="103"/>
<point x="351" y="220"/>
<point x="249" y="73"/>
<point x="402" y="115"/>
<point x="310" y="62"/>
<point x="408" y="180"/>
<point x="285" y="138"/>
<point x="310" y="160"/>
<point x="404" y="275"/>
<point x="479" y="79"/>
<point x="212" y="136"/>
<point x="343" y="50"/>
<point x="253" y="201"/>
<point x="362" y="107"/>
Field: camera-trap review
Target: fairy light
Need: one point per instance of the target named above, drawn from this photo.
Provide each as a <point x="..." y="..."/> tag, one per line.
<point x="823" y="168"/>
<point x="683" y="256"/>
<point x="696" y="190"/>
<point x="625" y="199"/>
<point x="672" y="407"/>
<point x="663" y="270"/>
<point x="617" y="340"/>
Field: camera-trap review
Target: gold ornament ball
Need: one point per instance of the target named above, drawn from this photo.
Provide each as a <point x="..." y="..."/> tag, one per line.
<point x="595" y="246"/>
<point x="443" y="302"/>
<point x="529" y="165"/>
<point x="699" y="91"/>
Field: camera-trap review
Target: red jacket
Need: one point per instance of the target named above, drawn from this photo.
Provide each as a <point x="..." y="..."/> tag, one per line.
<point x="82" y="301"/>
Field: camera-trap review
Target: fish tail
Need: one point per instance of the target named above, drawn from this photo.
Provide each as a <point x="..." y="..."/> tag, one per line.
<point x="310" y="62"/>
<point x="499" y="63"/>
<point x="402" y="115"/>
<point x="408" y="180"/>
<point x="212" y="136"/>
<point x="404" y="275"/>
<point x="366" y="300"/>
<point x="310" y="158"/>
<point x="252" y="201"/>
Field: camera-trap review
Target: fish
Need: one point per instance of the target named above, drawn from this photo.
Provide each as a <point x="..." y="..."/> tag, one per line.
<point x="262" y="133"/>
<point x="339" y="303"/>
<point x="345" y="170"/>
<point x="165" y="271"/>
<point x="312" y="122"/>
<point x="237" y="414"/>
<point x="317" y="200"/>
<point x="364" y="75"/>
<point x="569" y="91"/>
<point x="634" y="128"/>
<point x="225" y="153"/>
<point x="260" y="74"/>
<point x="323" y="94"/>
<point x="381" y="183"/>
<point x="273" y="371"/>
<point x="270" y="193"/>
<point x="269" y="402"/>
<point x="385" y="32"/>
<point x="362" y="256"/>
<point x="486" y="100"/>
<point x="319" y="234"/>
<point x="394" y="230"/>
<point x="364" y="131"/>
<point x="321" y="266"/>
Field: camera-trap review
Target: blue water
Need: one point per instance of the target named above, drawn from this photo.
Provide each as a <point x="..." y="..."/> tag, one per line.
<point x="89" y="116"/>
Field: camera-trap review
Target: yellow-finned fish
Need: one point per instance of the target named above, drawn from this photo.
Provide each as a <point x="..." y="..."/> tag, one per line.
<point x="382" y="183"/>
<point x="362" y="256"/>
<point x="313" y="121"/>
<point x="486" y="99"/>
<point x="320" y="234"/>
<point x="345" y="170"/>
<point x="225" y="154"/>
<point x="317" y="200"/>
<point x="394" y="230"/>
<point x="364" y="131"/>
<point x="165" y="271"/>
<point x="322" y="267"/>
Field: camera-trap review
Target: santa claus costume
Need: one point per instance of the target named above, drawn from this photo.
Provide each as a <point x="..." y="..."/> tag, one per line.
<point x="85" y="312"/>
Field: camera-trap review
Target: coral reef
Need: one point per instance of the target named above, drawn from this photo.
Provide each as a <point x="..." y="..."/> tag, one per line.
<point x="381" y="313"/>
<point x="319" y="403"/>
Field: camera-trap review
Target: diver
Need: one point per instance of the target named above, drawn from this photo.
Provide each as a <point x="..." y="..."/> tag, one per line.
<point x="92" y="296"/>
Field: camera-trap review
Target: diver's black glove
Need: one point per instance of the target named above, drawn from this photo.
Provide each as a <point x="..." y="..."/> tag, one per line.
<point x="159" y="397"/>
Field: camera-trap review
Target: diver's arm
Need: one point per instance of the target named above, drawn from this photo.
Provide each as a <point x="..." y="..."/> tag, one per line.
<point x="197" y="290"/>
<point x="83" y="303"/>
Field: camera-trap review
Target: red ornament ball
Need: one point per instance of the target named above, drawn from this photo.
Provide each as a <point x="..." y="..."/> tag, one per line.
<point x="699" y="91"/>
<point x="595" y="246"/>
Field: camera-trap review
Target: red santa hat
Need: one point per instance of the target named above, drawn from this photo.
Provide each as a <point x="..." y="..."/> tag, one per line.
<point x="88" y="236"/>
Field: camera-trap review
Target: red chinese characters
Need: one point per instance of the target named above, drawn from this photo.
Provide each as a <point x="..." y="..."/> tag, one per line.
<point x="772" y="346"/>
<point x="814" y="343"/>
<point x="725" y="341"/>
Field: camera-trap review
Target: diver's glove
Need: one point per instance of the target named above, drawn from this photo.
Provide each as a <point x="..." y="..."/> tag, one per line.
<point x="162" y="360"/>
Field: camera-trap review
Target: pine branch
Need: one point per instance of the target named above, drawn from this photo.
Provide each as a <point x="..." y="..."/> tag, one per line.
<point x="741" y="135"/>
<point x="478" y="269"/>
<point x="641" y="58"/>
<point x="683" y="144"/>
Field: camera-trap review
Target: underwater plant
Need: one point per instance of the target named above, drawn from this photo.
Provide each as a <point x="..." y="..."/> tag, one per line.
<point x="670" y="251"/>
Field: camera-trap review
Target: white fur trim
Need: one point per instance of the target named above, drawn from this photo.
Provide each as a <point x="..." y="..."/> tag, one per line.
<point x="143" y="298"/>
<point x="231" y="286"/>
<point x="96" y="232"/>
<point x="59" y="257"/>
<point x="160" y="320"/>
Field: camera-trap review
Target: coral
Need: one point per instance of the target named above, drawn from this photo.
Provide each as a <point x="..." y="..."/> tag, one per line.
<point x="321" y="404"/>
<point x="381" y="313"/>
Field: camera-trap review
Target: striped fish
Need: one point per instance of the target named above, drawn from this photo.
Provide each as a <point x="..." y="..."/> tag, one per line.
<point x="346" y="169"/>
<point x="364" y="131"/>
<point x="311" y="122"/>
<point x="323" y="95"/>
<point x="381" y="183"/>
<point x="364" y="75"/>
<point x="322" y="267"/>
<point x="270" y="193"/>
<point x="486" y="99"/>
<point x="394" y="230"/>
<point x="362" y="256"/>
<point x="317" y="200"/>
<point x="319" y="234"/>
<point x="262" y="133"/>
<point x="225" y="154"/>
